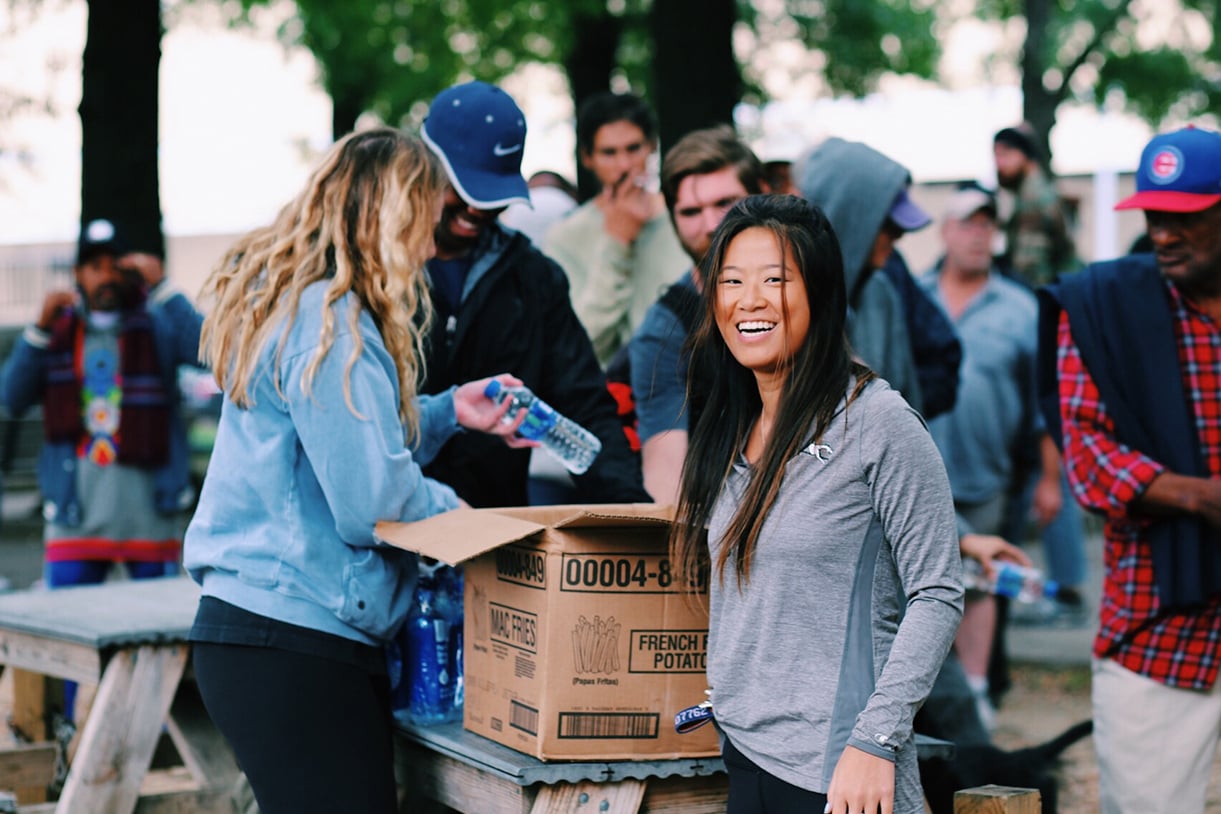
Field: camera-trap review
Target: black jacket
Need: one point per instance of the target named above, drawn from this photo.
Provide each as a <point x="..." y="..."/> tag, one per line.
<point x="516" y="317"/>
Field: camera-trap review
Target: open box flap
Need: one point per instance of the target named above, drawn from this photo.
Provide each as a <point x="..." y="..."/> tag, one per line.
<point x="592" y="515"/>
<point x="618" y="515"/>
<point x="461" y="534"/>
<point x="458" y="535"/>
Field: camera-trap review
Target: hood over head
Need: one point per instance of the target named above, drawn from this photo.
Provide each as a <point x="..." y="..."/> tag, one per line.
<point x="855" y="186"/>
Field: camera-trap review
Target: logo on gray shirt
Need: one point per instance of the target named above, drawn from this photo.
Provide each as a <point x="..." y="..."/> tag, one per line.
<point x="820" y="451"/>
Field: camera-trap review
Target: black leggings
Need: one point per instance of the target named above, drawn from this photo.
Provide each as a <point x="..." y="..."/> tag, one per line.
<point x="754" y="791"/>
<point x="313" y="735"/>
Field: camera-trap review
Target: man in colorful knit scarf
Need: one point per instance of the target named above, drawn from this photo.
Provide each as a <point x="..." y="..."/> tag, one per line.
<point x="102" y="360"/>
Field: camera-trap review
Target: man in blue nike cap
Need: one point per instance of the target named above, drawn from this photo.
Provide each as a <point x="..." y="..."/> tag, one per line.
<point x="501" y="306"/>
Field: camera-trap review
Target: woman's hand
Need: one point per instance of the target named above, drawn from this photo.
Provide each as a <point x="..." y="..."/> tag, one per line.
<point x="861" y="782"/>
<point x="475" y="411"/>
<point x="987" y="548"/>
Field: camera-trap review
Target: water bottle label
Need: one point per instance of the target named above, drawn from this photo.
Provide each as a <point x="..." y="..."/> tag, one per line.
<point x="1009" y="581"/>
<point x="540" y="418"/>
<point x="441" y="643"/>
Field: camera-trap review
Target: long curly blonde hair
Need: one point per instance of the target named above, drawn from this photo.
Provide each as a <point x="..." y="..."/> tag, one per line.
<point x="364" y="223"/>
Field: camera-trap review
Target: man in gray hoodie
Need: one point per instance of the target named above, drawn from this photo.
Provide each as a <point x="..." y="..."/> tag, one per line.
<point x="864" y="195"/>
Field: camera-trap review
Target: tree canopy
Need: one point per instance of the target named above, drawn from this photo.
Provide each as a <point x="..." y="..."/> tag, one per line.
<point x="1152" y="59"/>
<point x="387" y="56"/>
<point x="694" y="59"/>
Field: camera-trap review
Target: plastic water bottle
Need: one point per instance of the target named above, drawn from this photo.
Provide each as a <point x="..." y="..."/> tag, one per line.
<point x="1013" y="581"/>
<point x="451" y="581"/>
<point x="575" y="446"/>
<point x="427" y="670"/>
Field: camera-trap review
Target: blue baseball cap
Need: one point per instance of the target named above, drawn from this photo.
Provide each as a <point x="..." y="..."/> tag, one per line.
<point x="479" y="133"/>
<point x="1179" y="172"/>
<point x="906" y="214"/>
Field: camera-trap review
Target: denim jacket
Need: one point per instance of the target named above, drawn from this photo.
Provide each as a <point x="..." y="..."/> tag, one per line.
<point x="176" y="325"/>
<point x="284" y="526"/>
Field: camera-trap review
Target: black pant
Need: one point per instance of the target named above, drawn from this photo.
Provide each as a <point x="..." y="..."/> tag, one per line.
<point x="313" y="735"/>
<point x="754" y="791"/>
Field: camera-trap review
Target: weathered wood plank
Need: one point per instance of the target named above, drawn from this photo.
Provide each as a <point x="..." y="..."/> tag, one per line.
<point x="29" y="651"/>
<point x="28" y="719"/>
<point x="623" y="797"/>
<point x="31" y="765"/>
<point x="107" y="616"/>
<point x="37" y="808"/>
<point x="29" y="704"/>
<point x="686" y="795"/>
<point x="175" y="791"/>
<point x="118" y="740"/>
<point x="997" y="800"/>
<point x="429" y="776"/>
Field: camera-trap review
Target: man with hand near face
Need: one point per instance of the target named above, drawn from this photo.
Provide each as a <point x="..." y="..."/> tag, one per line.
<point x="618" y="249"/>
<point x="704" y="174"/>
<point x="114" y="468"/>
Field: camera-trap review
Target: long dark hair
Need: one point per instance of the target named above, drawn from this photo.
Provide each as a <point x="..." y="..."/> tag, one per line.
<point x="816" y="380"/>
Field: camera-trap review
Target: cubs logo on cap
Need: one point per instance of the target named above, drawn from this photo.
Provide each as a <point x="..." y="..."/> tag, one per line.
<point x="1179" y="172"/>
<point x="1166" y="166"/>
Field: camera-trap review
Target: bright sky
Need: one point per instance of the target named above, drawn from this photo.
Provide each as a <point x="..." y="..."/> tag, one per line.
<point x="242" y="119"/>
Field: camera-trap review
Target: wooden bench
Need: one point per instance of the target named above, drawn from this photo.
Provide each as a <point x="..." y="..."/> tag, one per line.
<point x="128" y="638"/>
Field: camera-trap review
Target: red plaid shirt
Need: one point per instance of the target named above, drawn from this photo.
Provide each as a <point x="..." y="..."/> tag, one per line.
<point x="1179" y="649"/>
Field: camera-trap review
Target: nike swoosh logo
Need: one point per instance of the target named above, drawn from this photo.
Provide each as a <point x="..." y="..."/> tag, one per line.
<point x="502" y="151"/>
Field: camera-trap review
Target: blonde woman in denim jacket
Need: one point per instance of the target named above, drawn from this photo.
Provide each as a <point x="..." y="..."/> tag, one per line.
<point x="314" y="331"/>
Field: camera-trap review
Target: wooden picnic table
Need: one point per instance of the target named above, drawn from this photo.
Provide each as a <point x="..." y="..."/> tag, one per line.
<point x="130" y="639"/>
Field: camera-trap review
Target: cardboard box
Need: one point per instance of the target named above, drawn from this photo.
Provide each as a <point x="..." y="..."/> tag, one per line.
<point x="580" y="642"/>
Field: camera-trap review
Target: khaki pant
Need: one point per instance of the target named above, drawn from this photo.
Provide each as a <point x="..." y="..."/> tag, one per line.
<point x="1156" y="744"/>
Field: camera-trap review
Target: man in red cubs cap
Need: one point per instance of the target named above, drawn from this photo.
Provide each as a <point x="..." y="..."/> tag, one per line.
<point x="1130" y="374"/>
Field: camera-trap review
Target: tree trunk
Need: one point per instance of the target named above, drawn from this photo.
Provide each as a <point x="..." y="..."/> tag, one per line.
<point x="1038" y="103"/>
<point x="119" y="108"/>
<point x="345" y="110"/>
<point x="594" y="55"/>
<point x="696" y="81"/>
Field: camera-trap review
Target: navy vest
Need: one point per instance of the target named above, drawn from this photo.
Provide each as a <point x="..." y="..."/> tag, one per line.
<point x="1123" y="325"/>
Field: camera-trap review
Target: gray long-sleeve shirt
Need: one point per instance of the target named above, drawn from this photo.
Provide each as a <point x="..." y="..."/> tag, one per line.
<point x="820" y="649"/>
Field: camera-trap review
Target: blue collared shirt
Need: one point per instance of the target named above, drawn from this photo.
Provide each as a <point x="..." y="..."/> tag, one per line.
<point x="996" y="415"/>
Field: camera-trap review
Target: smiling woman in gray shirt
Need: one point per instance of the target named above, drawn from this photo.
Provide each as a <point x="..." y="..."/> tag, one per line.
<point x="835" y="586"/>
